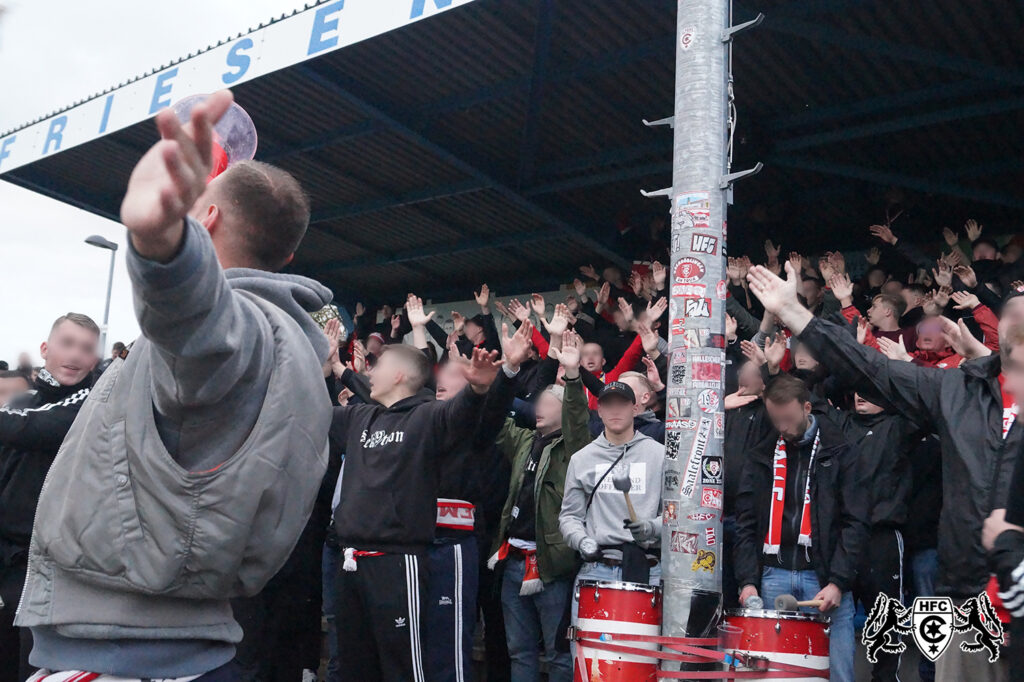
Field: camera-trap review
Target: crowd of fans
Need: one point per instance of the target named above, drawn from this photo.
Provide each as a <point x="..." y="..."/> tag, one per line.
<point x="193" y="507"/>
<point x="502" y="514"/>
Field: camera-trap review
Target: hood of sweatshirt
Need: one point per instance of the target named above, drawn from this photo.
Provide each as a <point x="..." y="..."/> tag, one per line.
<point x="600" y="445"/>
<point x="296" y="295"/>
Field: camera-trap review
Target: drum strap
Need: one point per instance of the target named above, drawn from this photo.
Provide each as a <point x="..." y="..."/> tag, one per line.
<point x="689" y="651"/>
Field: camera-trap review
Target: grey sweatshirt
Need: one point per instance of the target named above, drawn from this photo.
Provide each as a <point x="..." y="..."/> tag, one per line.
<point x="188" y="477"/>
<point x="604" y="521"/>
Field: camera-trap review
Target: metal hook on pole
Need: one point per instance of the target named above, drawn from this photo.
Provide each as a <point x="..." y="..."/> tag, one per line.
<point x="657" y="193"/>
<point x="727" y="180"/>
<point x="667" y="121"/>
<point x="728" y="33"/>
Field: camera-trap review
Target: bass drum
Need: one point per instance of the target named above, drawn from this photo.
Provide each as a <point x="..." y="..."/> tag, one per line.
<point x="787" y="637"/>
<point x="617" y="608"/>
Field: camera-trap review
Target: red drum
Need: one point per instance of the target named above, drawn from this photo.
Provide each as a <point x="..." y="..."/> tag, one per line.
<point x="789" y="637"/>
<point x="618" y="608"/>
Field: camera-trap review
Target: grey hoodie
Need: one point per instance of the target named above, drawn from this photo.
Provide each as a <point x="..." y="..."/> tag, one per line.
<point x="604" y="521"/>
<point x="188" y="475"/>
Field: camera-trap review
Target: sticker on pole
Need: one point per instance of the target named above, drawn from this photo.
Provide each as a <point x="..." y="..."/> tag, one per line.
<point x="711" y="498"/>
<point x="700" y="444"/>
<point x="684" y="543"/>
<point x="705" y="561"/>
<point x="686" y="37"/>
<point x="692" y="211"/>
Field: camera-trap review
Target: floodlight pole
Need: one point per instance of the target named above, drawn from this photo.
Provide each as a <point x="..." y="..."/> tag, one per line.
<point x="701" y="188"/>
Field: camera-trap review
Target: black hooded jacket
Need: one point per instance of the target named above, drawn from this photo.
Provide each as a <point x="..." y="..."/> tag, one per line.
<point x="839" y="510"/>
<point x="884" y="441"/>
<point x="391" y="473"/>
<point x="964" y="407"/>
<point x="32" y="428"/>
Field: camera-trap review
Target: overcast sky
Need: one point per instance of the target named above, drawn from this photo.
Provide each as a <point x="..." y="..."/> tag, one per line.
<point x="54" y="52"/>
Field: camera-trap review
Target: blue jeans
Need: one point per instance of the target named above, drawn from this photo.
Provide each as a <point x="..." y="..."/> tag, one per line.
<point x="924" y="565"/>
<point x="331" y="564"/>
<point x="528" y="619"/>
<point x="804" y="585"/>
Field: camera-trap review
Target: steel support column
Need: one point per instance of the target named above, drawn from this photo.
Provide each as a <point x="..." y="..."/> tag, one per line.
<point x="692" y="534"/>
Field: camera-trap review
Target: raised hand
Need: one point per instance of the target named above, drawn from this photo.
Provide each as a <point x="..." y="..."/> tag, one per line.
<point x="950" y="236"/>
<point x="653" y="375"/>
<point x="169" y="178"/>
<point x="941" y="297"/>
<point x="414" y="311"/>
<point x="589" y="271"/>
<point x="960" y="339"/>
<point x="745" y="265"/>
<point x="771" y="251"/>
<point x="944" y="275"/>
<point x="569" y="354"/>
<point x="482" y="296"/>
<point x="732" y="270"/>
<point x="559" y="320"/>
<point x="842" y="289"/>
<point x="360" y="309"/>
<point x="516" y="346"/>
<point x="538" y="304"/>
<point x="838" y="261"/>
<point x="656" y="309"/>
<point x="731" y="327"/>
<point x="884" y="232"/>
<point x="973" y="229"/>
<point x="1017" y="285"/>
<point x="603" y="293"/>
<point x="459" y="322"/>
<point x="965" y="300"/>
<point x="518" y="310"/>
<point x="659" y="274"/>
<point x="396" y="324"/>
<point x="966" y="275"/>
<point x="825" y="268"/>
<point x="774" y="351"/>
<point x="737" y="399"/>
<point x="862" y="330"/>
<point x="648" y="338"/>
<point x="502" y="308"/>
<point x="580" y="288"/>
<point x="626" y="309"/>
<point x="481" y="369"/>
<point x="359" y="357"/>
<point x="894" y="350"/>
<point x="753" y="352"/>
<point x="774" y="292"/>
<point x="636" y="283"/>
<point x="873" y="256"/>
<point x="797" y="261"/>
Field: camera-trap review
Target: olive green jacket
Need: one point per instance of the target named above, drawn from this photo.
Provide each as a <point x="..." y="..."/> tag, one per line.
<point x="554" y="558"/>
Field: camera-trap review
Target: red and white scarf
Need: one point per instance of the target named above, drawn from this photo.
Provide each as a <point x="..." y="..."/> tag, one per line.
<point x="79" y="676"/>
<point x="532" y="584"/>
<point x="1010" y="406"/>
<point x="773" y="538"/>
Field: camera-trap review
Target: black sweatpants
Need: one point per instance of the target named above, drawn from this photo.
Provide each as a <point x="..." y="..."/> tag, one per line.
<point x="379" y="624"/>
<point x="15" y="643"/>
<point x="881" y="571"/>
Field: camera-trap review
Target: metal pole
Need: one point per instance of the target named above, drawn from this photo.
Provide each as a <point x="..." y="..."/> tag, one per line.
<point x="692" y="540"/>
<point x="106" y="309"/>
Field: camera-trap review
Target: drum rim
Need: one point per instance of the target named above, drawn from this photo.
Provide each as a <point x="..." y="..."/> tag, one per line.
<point x="772" y="614"/>
<point x="620" y="585"/>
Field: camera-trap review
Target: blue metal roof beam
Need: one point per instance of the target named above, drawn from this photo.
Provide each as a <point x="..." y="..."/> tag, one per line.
<point x="882" y="177"/>
<point x="463" y="166"/>
<point x="901" y="51"/>
<point x="903" y="123"/>
<point x="881" y="104"/>
<point x="399" y="200"/>
<point x="530" y="139"/>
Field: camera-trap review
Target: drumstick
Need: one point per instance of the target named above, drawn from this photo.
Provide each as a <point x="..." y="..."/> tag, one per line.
<point x="629" y="506"/>
<point x="811" y="602"/>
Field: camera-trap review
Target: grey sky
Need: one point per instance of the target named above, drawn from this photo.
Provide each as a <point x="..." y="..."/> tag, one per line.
<point x="54" y="52"/>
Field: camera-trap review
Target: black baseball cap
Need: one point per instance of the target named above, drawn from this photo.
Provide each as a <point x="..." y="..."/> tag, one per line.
<point x="617" y="388"/>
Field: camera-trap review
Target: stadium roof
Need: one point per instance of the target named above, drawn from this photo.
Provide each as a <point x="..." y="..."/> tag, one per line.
<point x="502" y="141"/>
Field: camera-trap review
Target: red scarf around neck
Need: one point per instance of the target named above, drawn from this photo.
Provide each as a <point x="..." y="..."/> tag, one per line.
<point x="773" y="538"/>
